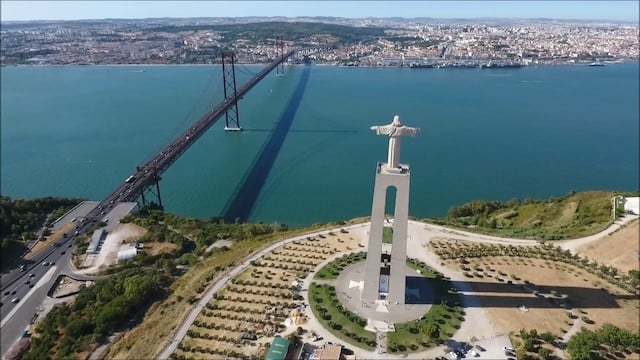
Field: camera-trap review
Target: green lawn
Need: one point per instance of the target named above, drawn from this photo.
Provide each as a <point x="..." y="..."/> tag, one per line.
<point x="437" y="325"/>
<point x="333" y="269"/>
<point x="339" y="321"/>
<point x="387" y="235"/>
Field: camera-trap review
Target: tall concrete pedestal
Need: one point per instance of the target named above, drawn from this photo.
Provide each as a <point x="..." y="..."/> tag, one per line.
<point x="385" y="272"/>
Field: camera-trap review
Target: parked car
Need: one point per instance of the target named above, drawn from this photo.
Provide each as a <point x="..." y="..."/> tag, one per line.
<point x="15" y="300"/>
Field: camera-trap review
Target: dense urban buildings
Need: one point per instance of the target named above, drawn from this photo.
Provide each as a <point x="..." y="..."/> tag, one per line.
<point x="351" y="42"/>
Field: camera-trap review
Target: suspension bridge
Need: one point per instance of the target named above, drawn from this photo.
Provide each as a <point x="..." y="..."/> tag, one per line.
<point x="147" y="176"/>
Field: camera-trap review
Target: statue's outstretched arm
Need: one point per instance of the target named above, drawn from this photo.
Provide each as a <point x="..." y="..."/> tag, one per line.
<point x="383" y="130"/>
<point x="409" y="131"/>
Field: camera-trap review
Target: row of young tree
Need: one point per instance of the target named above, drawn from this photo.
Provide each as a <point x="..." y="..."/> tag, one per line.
<point x="546" y="251"/>
<point x="318" y="293"/>
<point x="609" y="339"/>
<point x="532" y="342"/>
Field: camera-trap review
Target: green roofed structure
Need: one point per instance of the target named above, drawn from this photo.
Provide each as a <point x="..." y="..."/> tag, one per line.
<point x="278" y="349"/>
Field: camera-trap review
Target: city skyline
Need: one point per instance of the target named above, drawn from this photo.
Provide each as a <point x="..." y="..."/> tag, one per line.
<point x="78" y="10"/>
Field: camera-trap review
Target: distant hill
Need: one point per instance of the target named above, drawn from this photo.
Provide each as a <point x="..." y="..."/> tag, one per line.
<point x="290" y="30"/>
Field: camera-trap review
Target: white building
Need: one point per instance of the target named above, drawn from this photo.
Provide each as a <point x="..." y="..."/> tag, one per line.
<point x="127" y="253"/>
<point x="632" y="205"/>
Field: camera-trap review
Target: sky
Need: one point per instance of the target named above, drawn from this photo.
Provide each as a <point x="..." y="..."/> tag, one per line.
<point x="73" y="10"/>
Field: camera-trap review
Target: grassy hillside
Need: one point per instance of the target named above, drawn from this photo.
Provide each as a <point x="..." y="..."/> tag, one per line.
<point x="289" y="30"/>
<point x="571" y="216"/>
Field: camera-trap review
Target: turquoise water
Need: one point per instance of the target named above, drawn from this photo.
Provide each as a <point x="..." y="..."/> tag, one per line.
<point x="486" y="134"/>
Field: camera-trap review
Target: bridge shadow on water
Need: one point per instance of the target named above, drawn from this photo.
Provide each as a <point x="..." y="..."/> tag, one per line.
<point x="504" y="295"/>
<point x="241" y="203"/>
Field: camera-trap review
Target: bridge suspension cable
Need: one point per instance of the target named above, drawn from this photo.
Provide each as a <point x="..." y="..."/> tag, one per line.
<point x="200" y="104"/>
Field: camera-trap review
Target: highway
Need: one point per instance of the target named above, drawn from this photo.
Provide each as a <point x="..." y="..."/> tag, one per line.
<point x="21" y="313"/>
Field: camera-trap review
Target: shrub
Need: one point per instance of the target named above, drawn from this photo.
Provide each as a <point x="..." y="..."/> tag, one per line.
<point x="544" y="354"/>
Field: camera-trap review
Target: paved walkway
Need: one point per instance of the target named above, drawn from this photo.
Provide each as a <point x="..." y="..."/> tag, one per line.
<point x="573" y="244"/>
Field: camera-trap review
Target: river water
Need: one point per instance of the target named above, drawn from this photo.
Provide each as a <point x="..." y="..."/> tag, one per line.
<point x="307" y="154"/>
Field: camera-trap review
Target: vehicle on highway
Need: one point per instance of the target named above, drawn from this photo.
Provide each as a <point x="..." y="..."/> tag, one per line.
<point x="13" y="292"/>
<point x="62" y="253"/>
<point x="32" y="275"/>
<point x="7" y="292"/>
<point x="46" y="263"/>
<point x="27" y="282"/>
<point x="15" y="300"/>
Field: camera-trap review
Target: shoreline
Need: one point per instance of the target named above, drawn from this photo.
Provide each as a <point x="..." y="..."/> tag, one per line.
<point x="618" y="62"/>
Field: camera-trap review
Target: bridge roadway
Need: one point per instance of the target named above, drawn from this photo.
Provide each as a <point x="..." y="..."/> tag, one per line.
<point x="146" y="174"/>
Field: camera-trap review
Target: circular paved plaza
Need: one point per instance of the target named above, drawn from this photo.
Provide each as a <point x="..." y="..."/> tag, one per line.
<point x="418" y="297"/>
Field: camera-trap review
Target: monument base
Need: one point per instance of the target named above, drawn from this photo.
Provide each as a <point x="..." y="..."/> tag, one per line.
<point x="381" y="315"/>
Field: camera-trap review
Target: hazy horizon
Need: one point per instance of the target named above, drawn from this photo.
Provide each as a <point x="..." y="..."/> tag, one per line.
<point x="606" y="11"/>
<point x="335" y="17"/>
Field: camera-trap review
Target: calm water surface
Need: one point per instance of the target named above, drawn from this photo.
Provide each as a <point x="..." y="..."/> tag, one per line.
<point x="487" y="134"/>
